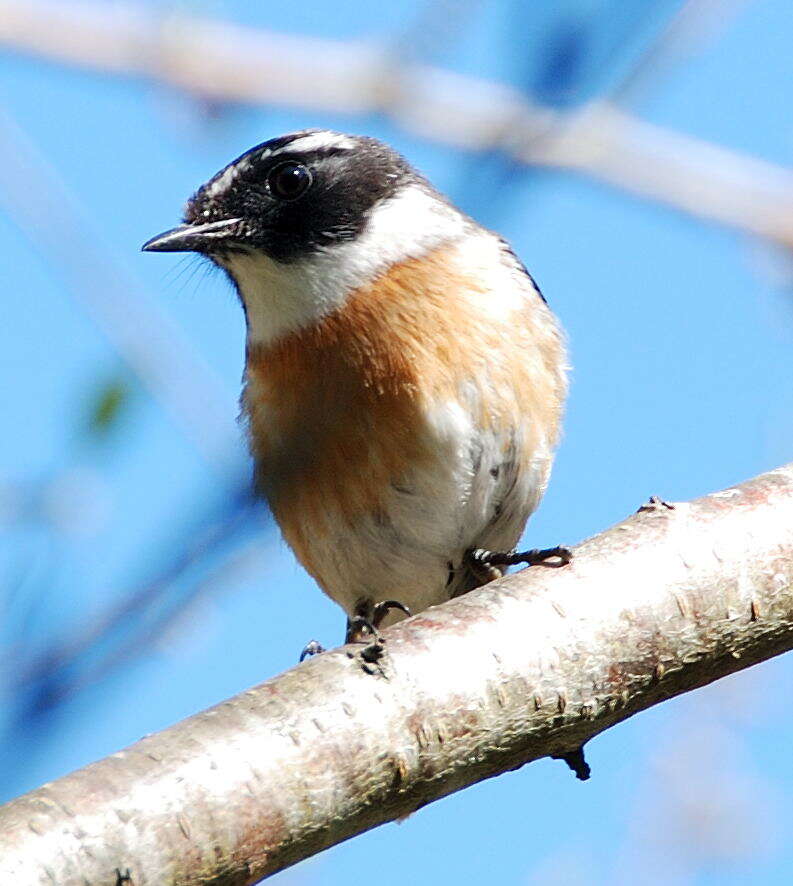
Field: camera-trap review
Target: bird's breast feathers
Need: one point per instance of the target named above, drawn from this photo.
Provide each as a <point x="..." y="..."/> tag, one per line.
<point x="404" y="377"/>
<point x="418" y="414"/>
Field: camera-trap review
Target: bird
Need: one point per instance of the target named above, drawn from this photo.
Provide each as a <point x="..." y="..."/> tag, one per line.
<point x="404" y="376"/>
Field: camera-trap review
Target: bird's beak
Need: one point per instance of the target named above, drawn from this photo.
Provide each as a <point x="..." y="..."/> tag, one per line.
<point x="194" y="238"/>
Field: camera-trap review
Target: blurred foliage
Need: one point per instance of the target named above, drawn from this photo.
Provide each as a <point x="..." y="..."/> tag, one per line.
<point x="108" y="404"/>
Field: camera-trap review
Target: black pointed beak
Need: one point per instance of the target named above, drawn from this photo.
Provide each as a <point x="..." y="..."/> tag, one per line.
<point x="194" y="238"/>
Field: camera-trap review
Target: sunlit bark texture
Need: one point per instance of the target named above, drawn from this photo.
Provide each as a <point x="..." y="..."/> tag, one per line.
<point x="530" y="666"/>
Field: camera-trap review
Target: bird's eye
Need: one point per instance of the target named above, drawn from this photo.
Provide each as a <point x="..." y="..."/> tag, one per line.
<point x="289" y="180"/>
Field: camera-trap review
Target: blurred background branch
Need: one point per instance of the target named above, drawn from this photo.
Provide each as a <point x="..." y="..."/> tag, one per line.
<point x="155" y="350"/>
<point x="224" y="63"/>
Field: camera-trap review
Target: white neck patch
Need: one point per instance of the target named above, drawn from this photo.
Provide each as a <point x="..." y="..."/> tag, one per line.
<point x="281" y="298"/>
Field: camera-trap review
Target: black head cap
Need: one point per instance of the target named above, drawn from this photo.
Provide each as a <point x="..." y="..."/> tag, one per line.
<point x="289" y="197"/>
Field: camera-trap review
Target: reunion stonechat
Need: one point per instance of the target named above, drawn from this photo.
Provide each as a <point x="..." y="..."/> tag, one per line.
<point x="404" y="376"/>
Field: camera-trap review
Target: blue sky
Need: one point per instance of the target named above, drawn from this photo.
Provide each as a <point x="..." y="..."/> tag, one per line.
<point x="681" y="338"/>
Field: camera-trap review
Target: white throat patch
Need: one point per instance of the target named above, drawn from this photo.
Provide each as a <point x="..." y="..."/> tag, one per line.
<point x="280" y="298"/>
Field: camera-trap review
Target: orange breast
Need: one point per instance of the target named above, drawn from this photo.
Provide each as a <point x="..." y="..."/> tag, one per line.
<point x="338" y="412"/>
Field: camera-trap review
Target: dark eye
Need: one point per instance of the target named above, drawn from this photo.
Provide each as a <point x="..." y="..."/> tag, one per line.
<point x="288" y="180"/>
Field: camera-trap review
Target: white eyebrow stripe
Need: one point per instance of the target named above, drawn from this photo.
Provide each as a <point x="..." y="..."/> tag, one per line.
<point x="224" y="180"/>
<point x="315" y="141"/>
<point x="221" y="182"/>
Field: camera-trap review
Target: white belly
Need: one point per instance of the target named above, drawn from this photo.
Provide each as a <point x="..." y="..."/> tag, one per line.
<point x="477" y="492"/>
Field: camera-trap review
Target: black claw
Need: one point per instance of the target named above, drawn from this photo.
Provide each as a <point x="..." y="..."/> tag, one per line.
<point x="312" y="648"/>
<point x="384" y="607"/>
<point x="534" y="557"/>
<point x="361" y="628"/>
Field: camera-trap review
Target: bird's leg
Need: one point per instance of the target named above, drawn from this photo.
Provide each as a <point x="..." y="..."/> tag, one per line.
<point x="475" y="560"/>
<point x="487" y="565"/>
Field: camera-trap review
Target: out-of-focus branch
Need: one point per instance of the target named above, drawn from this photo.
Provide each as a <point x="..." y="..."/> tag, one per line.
<point x="223" y="62"/>
<point x="696" y="176"/>
<point x="695" y="25"/>
<point x="530" y="666"/>
<point x="153" y="347"/>
<point x="70" y="662"/>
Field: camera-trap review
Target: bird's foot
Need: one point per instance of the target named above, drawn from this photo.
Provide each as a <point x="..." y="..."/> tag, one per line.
<point x="313" y="647"/>
<point x="361" y="629"/>
<point x="489" y="565"/>
<point x="364" y="627"/>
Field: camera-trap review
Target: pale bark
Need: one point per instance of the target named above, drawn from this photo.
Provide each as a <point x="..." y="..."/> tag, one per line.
<point x="531" y="666"/>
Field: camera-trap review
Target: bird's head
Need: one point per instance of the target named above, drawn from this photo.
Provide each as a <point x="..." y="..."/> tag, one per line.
<point x="300" y="221"/>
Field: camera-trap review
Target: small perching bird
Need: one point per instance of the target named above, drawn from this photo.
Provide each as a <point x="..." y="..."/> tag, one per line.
<point x="404" y="377"/>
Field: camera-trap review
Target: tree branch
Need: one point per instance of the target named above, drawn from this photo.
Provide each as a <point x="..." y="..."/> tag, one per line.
<point x="530" y="666"/>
